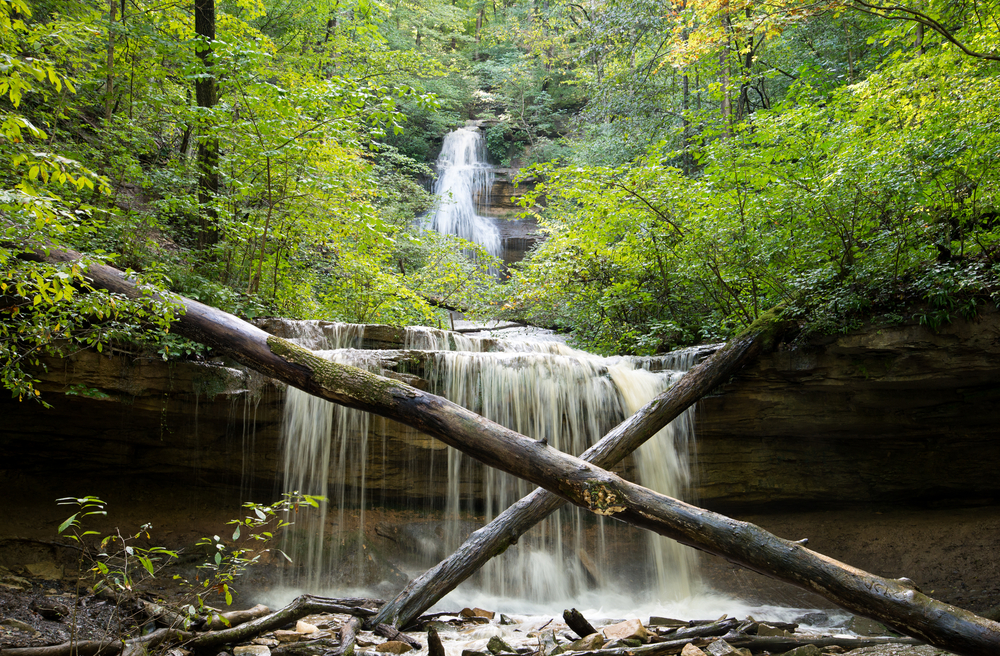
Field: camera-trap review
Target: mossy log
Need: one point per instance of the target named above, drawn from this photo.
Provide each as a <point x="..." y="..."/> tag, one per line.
<point x="896" y="603"/>
<point x="508" y="527"/>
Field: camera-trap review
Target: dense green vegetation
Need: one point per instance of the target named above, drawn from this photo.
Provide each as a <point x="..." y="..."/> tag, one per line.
<point x="700" y="163"/>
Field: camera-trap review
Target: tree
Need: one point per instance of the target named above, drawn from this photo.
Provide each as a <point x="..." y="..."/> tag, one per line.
<point x="206" y="93"/>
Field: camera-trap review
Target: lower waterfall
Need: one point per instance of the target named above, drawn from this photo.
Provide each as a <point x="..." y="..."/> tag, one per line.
<point x="544" y="390"/>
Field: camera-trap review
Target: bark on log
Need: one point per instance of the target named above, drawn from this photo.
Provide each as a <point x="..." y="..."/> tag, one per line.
<point x="508" y="527"/>
<point x="575" y="620"/>
<point x="348" y="635"/>
<point x="81" y="648"/>
<point x="892" y="602"/>
<point x="98" y="647"/>
<point x="775" y="644"/>
<point x="170" y="617"/>
<point x="721" y="627"/>
<point x="218" y="621"/>
<point x="392" y="633"/>
<point x="302" y="606"/>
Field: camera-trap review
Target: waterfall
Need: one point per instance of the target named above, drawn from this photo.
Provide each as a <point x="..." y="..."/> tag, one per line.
<point x="540" y="389"/>
<point x="463" y="189"/>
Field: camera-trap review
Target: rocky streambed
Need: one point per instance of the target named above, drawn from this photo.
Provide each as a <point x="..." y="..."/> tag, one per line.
<point x="42" y="618"/>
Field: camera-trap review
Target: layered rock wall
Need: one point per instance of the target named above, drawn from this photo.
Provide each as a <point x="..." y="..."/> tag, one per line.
<point x="890" y="415"/>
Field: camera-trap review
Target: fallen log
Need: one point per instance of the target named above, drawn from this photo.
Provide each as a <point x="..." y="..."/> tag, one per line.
<point x="217" y="621"/>
<point x="170" y="617"/>
<point x="105" y="647"/>
<point x="775" y="644"/>
<point x="299" y="608"/>
<point x="392" y="633"/>
<point x="893" y="602"/>
<point x="348" y="636"/>
<point x="718" y="628"/>
<point x="508" y="527"/>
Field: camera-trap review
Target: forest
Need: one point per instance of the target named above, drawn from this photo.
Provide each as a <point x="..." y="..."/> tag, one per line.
<point x="696" y="164"/>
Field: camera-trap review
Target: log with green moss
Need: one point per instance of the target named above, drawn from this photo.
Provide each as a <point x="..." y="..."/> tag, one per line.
<point x="895" y="602"/>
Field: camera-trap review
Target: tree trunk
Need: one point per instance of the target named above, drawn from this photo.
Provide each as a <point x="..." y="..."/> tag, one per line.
<point x="109" y="84"/>
<point x="894" y="602"/>
<point x="504" y="531"/>
<point x="208" y="146"/>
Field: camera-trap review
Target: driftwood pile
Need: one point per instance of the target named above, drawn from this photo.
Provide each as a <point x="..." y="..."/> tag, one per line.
<point x="333" y="627"/>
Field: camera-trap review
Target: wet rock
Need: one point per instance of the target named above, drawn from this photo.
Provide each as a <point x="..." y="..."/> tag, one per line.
<point x="546" y="641"/>
<point x="589" y="643"/>
<point x="866" y="627"/>
<point x="477" y="612"/>
<point x="690" y="650"/>
<point x="305" y="627"/>
<point x="722" y="648"/>
<point x="288" y="636"/>
<point x="12" y="582"/>
<point x="393" y="647"/>
<point x="252" y="650"/>
<point x="46" y="570"/>
<point x="804" y="650"/>
<point x="628" y="630"/>
<point x="18" y="625"/>
<point x="473" y="652"/>
<point x="497" y="646"/>
<point x="49" y="608"/>
<point x="434" y="644"/>
<point x="265" y="642"/>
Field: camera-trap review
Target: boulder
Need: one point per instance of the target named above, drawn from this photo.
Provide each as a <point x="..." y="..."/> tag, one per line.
<point x="252" y="650"/>
<point x="804" y="650"/>
<point x="627" y="630"/>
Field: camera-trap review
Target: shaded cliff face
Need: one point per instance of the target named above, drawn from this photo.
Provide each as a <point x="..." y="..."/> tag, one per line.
<point x="892" y="415"/>
<point x="517" y="234"/>
<point x="886" y="415"/>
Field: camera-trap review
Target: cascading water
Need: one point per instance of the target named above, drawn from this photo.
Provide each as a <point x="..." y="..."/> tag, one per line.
<point x="541" y="389"/>
<point x="463" y="189"/>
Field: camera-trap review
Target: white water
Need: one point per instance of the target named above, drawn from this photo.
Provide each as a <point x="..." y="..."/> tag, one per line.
<point x="463" y="189"/>
<point x="541" y="389"/>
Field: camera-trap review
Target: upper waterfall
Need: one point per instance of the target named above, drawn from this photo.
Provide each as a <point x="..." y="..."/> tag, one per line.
<point x="463" y="190"/>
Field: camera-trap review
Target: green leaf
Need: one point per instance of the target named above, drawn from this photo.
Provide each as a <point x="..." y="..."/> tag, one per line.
<point x="66" y="524"/>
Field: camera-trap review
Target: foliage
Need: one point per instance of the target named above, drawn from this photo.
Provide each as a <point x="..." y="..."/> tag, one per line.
<point x="119" y="565"/>
<point x="864" y="201"/>
<point x="700" y="163"/>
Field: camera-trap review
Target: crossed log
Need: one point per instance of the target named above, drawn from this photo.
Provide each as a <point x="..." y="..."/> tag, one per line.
<point x="895" y="602"/>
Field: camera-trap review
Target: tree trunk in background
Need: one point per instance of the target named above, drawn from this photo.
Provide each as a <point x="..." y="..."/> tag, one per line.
<point x="208" y="146"/>
<point x="504" y="531"/>
<point x="895" y="602"/>
<point x="109" y="84"/>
